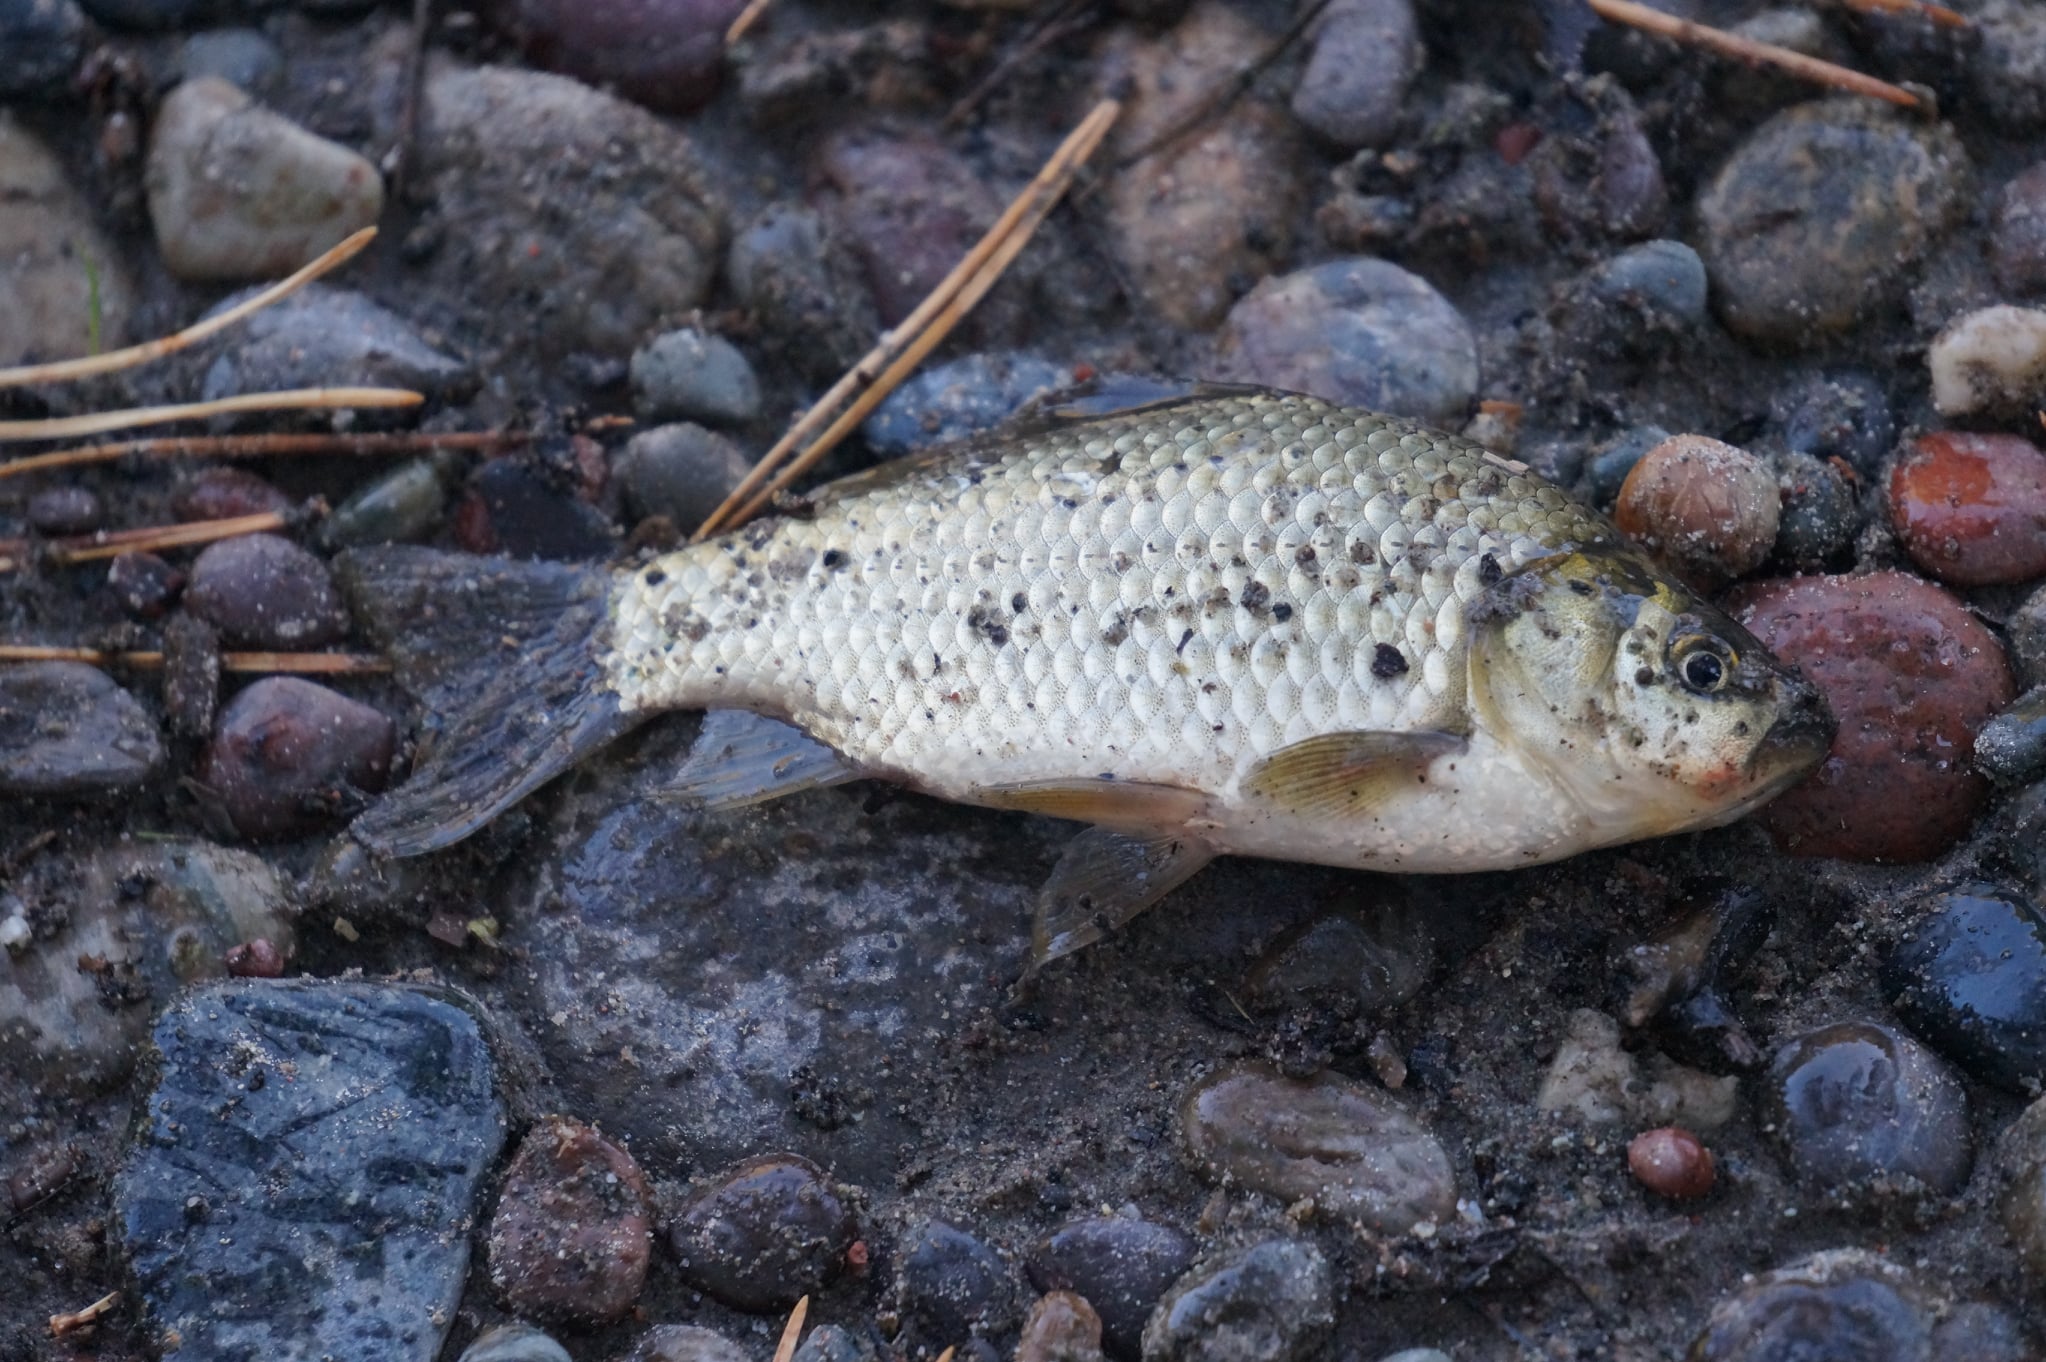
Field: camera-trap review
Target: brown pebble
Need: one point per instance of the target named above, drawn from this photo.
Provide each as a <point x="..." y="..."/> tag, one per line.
<point x="573" y="1230"/>
<point x="1670" y="1161"/>
<point x="222" y="493"/>
<point x="1707" y="510"/>
<point x="255" y="959"/>
<point x="65" y="510"/>
<point x="1971" y="509"/>
<point x="289" y="757"/>
<point x="144" y="584"/>
<point x="1061" y="1327"/>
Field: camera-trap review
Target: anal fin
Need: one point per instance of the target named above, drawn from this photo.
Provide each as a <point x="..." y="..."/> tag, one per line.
<point x="1104" y="879"/>
<point x="1344" y="774"/>
<point x="1133" y="805"/>
<point x="743" y="758"/>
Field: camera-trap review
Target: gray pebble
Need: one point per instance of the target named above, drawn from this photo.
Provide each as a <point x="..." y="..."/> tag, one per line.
<point x="403" y="505"/>
<point x="953" y="1284"/>
<point x="1611" y="461"/>
<point x="65" y="510"/>
<point x="834" y="1343"/>
<point x="2011" y="748"/>
<point x="2008" y="64"/>
<point x="687" y="1343"/>
<point x="1121" y="1264"/>
<point x="1272" y="1302"/>
<point x="1366" y="55"/>
<point x="1360" y="331"/>
<point x="262" y="591"/>
<point x="689" y="374"/>
<point x="327" y="337"/>
<point x="47" y="238"/>
<point x="514" y="1343"/>
<point x="40" y="44"/>
<point x="1660" y="281"/>
<point x="1819" y="516"/>
<point x="1838" y="415"/>
<point x="805" y="291"/>
<point x="2017" y="232"/>
<point x="1857" y="1107"/>
<point x="763" y="1234"/>
<point x="2027" y="631"/>
<point x="66" y="729"/>
<point x="242" y="57"/>
<point x="1846" y="1305"/>
<point x="680" y="471"/>
<point x="958" y="399"/>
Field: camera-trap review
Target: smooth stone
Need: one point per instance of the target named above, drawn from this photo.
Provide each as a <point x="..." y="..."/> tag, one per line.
<point x="960" y="398"/>
<point x="225" y="492"/>
<point x="1122" y="1266"/>
<point x="238" y="192"/>
<point x="804" y="288"/>
<point x="835" y="1343"/>
<point x="144" y="584"/>
<point x="1820" y="513"/>
<point x="328" y="337"/>
<point x="1992" y="360"/>
<point x="514" y="1343"/>
<point x="687" y="1343"/>
<point x="1671" y="1162"/>
<point x="1271" y="1302"/>
<point x="1060" y="1327"/>
<point x="1678" y="981"/>
<point x="2017" y="231"/>
<point x="400" y="507"/>
<point x="1843" y="415"/>
<point x="1366" y="54"/>
<point x="505" y="150"/>
<point x="1358" y="331"/>
<point x="680" y="471"/>
<point x="953" y="1284"/>
<point x="40" y="44"/>
<point x="2011" y="748"/>
<point x="692" y="375"/>
<point x="573" y="1231"/>
<point x="51" y="255"/>
<point x="513" y="507"/>
<point x="263" y="591"/>
<point x="1706" y="510"/>
<point x="2021" y="1199"/>
<point x="65" y="510"/>
<point x="1350" y="1149"/>
<point x="242" y="57"/>
<point x="1971" y="979"/>
<point x="665" y="54"/>
<point x="1911" y="676"/>
<point x="289" y="757"/>
<point x="763" y="1234"/>
<point x="281" y="1111"/>
<point x="1845" y="1305"/>
<point x="1594" y="1080"/>
<point x="1856" y="1107"/>
<point x="68" y="730"/>
<point x="1819" y="216"/>
<point x="1660" y="281"/>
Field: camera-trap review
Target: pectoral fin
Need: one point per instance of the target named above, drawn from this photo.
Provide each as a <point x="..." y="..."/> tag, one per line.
<point x="742" y="758"/>
<point x="1104" y="879"/>
<point x="1343" y="774"/>
<point x="1132" y="805"/>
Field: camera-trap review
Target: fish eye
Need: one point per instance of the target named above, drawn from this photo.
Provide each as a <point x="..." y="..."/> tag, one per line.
<point x="1703" y="664"/>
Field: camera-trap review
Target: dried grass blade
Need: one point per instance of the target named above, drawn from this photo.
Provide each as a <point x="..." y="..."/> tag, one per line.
<point x="114" y="543"/>
<point x="1747" y="49"/>
<point x="305" y="664"/>
<point x="295" y="399"/>
<point x="263" y="447"/>
<point x="792" y="1332"/>
<point x="1939" y="14"/>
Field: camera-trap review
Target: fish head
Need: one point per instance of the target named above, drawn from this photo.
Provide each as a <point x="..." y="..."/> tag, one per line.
<point x="1649" y="708"/>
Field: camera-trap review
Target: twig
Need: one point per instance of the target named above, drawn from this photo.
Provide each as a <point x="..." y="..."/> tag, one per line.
<point x="745" y="21"/>
<point x="72" y="1321"/>
<point x="902" y="349"/>
<point x="1939" y="14"/>
<point x="1747" y="49"/>
<point x="263" y="446"/>
<point x="792" y="1331"/>
<point x="85" y="548"/>
<point x="317" y="664"/>
<point x="1227" y="93"/>
<point x="295" y="399"/>
<point x="63" y="370"/>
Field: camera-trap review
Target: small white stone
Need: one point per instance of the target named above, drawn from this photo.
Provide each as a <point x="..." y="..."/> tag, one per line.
<point x="14" y="933"/>
<point x="1992" y="359"/>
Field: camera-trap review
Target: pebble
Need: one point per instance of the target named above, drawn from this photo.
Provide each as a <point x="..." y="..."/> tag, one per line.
<point x="1992" y="360"/>
<point x="1911" y="676"/>
<point x="692" y="375"/>
<point x="191" y="674"/>
<point x="1418" y="1355"/>
<point x="1121" y="1264"/>
<point x="908" y="207"/>
<point x="400" y="507"/>
<point x="505" y="150"/>
<point x="46" y="236"/>
<point x="1593" y="1079"/>
<point x="328" y="337"/>
<point x="1271" y="1302"/>
<point x="687" y="1343"/>
<point x="514" y="1343"/>
<point x="40" y="44"/>
<point x="835" y="1343"/>
<point x="573" y="1230"/>
<point x="242" y="57"/>
<point x="1060" y="1327"/>
<point x="258" y="959"/>
<point x="1657" y="283"/>
<point x="2021" y="1156"/>
<point x="1196" y="223"/>
<point x="1360" y="331"/>
<point x="2017" y="232"/>
<point x="144" y="584"/>
<point x="68" y="730"/>
<point x="1366" y="54"/>
<point x="953" y="1284"/>
<point x="665" y="54"/>
<point x="1841" y="415"/>
<point x="1820" y="513"/>
<point x="1976" y="1331"/>
<point x="814" y="312"/>
<point x="1351" y="1149"/>
<point x="1671" y="1162"/>
<point x="1706" y="510"/>
<point x="680" y="471"/>
<point x="66" y="510"/>
<point x="238" y="192"/>
<point x="1677" y="981"/>
<point x="2008" y="65"/>
<point x="1971" y="979"/>
<point x="222" y="493"/>
<point x="513" y="507"/>
<point x="960" y="398"/>
<point x="1612" y="460"/>
<point x="1819" y="216"/>
<point x="263" y="591"/>
<point x="1859" y="1107"/>
<point x="2011" y="748"/>
<point x="763" y="1234"/>
<point x="2026" y="629"/>
<point x="1364" y="960"/>
<point x="1846" y="1305"/>
<point x="212" y="1202"/>
<point x="289" y="757"/>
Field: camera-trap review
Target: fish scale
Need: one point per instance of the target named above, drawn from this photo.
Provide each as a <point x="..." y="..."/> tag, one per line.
<point x="1202" y="585"/>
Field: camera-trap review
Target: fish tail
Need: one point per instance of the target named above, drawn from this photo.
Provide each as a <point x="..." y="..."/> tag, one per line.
<point x="505" y="658"/>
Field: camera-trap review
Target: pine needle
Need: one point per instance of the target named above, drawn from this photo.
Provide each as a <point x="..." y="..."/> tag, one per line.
<point x="86" y="548"/>
<point x="1748" y="50"/>
<point x="1939" y="14"/>
<point x="126" y="418"/>
<point x="263" y="446"/>
<point x="792" y="1331"/>
<point x="745" y="21"/>
<point x="305" y="664"/>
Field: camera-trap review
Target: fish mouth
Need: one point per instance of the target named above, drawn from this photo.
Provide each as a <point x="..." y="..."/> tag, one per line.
<point x="1801" y="736"/>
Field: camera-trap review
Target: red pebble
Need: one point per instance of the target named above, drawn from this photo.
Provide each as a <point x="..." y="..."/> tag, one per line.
<point x="1971" y="509"/>
<point x="1911" y="675"/>
<point x="1670" y="1161"/>
<point x="573" y="1231"/>
<point x="257" y="959"/>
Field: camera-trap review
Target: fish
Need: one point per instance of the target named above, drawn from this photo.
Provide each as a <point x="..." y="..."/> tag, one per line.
<point x="1222" y="622"/>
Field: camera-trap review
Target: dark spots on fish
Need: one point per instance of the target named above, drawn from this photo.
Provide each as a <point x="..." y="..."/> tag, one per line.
<point x="989" y="624"/>
<point x="1282" y="612"/>
<point x="1645" y="676"/>
<point x="686" y="623"/>
<point x="1740" y="729"/>
<point x="654" y="577"/>
<point x="1361" y="554"/>
<point x="1116" y="630"/>
<point x="1069" y="503"/>
<point x="1388" y="662"/>
<point x="1184" y="639"/>
<point x="832" y="560"/>
<point x="1489" y="571"/>
<point x="1018" y="603"/>
<point x="1304" y="556"/>
<point x="1256" y="597"/>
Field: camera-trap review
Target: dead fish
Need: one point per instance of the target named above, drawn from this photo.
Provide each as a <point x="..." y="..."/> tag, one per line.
<point x="1226" y="623"/>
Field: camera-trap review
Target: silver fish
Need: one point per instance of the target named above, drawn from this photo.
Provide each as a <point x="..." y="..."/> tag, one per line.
<point x="1242" y="622"/>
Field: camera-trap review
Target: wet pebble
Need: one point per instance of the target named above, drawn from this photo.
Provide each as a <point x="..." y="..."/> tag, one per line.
<point x="238" y="192"/>
<point x="223" y="493"/>
<point x="403" y="505"/>
<point x="1366" y="54"/>
<point x="1819" y="515"/>
<point x="1359" y="331"/>
<point x="804" y="288"/>
<point x="332" y="337"/>
<point x="144" y="584"/>
<point x="1992" y="360"/>
<point x="2011" y="748"/>
<point x="289" y="757"/>
<point x="573" y="1230"/>
<point x="1911" y="676"/>
<point x="1122" y="1265"/>
<point x="1271" y="1302"/>
<point x="1843" y="415"/>
<point x="687" y="1343"/>
<point x="693" y="375"/>
<point x="262" y="591"/>
<point x="963" y="397"/>
<point x="1817" y="218"/>
<point x="40" y="44"/>
<point x="2021" y="1160"/>
<point x="680" y="471"/>
<point x="67" y="730"/>
<point x="1351" y="1149"/>
<point x="1706" y="510"/>
<point x="1855" y="1107"/>
<point x="1060" y="1327"/>
<point x="1846" y="1305"/>
<point x="242" y="57"/>
<point x="66" y="510"/>
<point x="763" y="1234"/>
<point x="212" y="1202"/>
<point x="2017" y="232"/>
<point x="2008" y="65"/>
<point x="46" y="300"/>
<point x="1661" y="283"/>
<point x="513" y="507"/>
<point x="1671" y="1162"/>
<point x="1970" y="977"/>
<point x="665" y="54"/>
<point x="953" y="1284"/>
<point x="514" y="1343"/>
<point x="1367" y="960"/>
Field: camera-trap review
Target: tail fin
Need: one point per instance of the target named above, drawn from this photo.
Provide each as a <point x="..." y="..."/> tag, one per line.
<point x="506" y="658"/>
